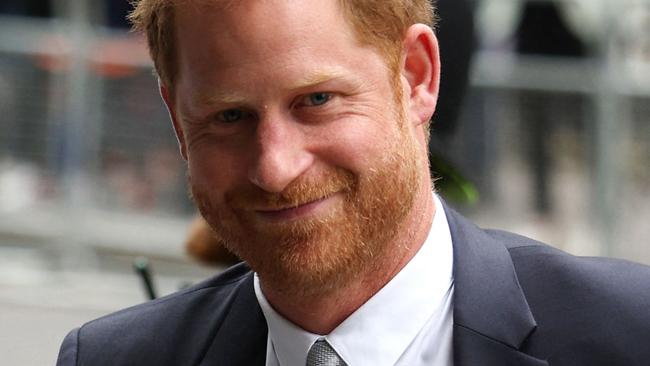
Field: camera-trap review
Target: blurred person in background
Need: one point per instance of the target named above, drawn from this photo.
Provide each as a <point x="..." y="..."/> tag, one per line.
<point x="543" y="30"/>
<point x="305" y="127"/>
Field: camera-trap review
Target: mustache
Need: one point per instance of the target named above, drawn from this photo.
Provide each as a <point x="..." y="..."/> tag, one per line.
<point x="301" y="191"/>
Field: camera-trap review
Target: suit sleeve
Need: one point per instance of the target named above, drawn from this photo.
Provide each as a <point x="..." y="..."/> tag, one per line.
<point x="68" y="350"/>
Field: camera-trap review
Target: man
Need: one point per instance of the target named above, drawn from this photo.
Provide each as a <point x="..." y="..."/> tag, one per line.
<point x="304" y="126"/>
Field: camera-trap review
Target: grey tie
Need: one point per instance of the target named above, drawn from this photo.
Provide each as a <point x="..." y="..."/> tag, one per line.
<point x="322" y="354"/>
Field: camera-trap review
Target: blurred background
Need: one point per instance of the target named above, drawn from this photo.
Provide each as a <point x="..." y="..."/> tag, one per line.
<point x="545" y="109"/>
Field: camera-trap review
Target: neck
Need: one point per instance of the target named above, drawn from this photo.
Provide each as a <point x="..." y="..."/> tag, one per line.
<point x="322" y="313"/>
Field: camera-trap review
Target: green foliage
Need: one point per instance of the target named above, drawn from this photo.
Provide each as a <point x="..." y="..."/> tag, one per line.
<point x="451" y="184"/>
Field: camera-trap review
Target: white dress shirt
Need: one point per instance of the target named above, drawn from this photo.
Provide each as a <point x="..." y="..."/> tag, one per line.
<point x="408" y="322"/>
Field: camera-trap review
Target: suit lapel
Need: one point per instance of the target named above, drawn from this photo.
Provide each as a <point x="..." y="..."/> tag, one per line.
<point x="492" y="319"/>
<point x="241" y="339"/>
<point x="471" y="348"/>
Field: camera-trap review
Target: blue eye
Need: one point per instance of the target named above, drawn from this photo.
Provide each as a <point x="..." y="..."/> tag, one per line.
<point x="317" y="99"/>
<point x="230" y="115"/>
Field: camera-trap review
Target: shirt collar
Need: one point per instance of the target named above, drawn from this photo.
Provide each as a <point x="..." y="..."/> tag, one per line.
<point x="381" y="329"/>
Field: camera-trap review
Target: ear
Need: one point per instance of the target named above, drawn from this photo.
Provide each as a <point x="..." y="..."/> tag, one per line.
<point x="420" y="72"/>
<point x="167" y="97"/>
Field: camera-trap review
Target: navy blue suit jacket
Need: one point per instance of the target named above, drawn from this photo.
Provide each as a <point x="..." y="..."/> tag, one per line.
<point x="516" y="302"/>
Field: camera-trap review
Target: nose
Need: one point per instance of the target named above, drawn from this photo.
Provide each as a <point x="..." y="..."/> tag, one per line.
<point x="281" y="154"/>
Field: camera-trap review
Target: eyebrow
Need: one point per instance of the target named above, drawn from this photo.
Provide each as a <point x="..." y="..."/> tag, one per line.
<point x="304" y="82"/>
<point x="317" y="78"/>
<point x="215" y="97"/>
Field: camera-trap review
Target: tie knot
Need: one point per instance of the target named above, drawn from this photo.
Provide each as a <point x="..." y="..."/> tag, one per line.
<point x="322" y="354"/>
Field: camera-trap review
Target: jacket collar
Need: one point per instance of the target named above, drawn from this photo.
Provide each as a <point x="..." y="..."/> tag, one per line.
<point x="241" y="338"/>
<point x="492" y="319"/>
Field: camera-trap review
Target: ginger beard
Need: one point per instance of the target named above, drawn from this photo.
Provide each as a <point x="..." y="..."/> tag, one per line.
<point x="316" y="255"/>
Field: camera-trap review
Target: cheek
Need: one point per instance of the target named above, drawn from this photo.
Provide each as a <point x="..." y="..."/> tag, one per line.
<point x="356" y="149"/>
<point x="214" y="171"/>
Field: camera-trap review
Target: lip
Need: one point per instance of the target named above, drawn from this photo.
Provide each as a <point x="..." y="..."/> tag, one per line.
<point x="292" y="213"/>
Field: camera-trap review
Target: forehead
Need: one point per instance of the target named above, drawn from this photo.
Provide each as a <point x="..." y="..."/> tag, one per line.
<point x="256" y="25"/>
<point x="233" y="37"/>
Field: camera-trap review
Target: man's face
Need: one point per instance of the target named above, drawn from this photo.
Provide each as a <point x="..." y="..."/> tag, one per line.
<point x="299" y="155"/>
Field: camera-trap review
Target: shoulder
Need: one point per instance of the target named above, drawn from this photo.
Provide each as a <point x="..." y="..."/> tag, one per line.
<point x="182" y="322"/>
<point x="535" y="261"/>
<point x="580" y="303"/>
<point x="549" y="270"/>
